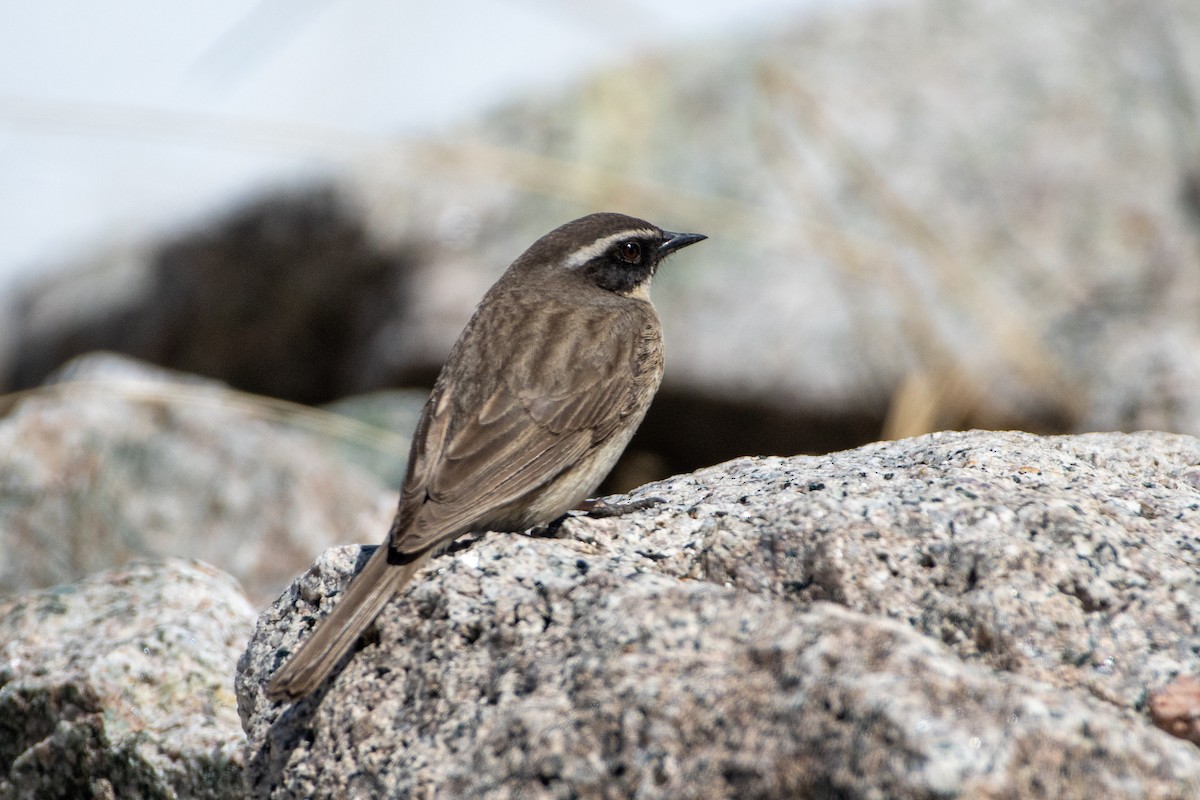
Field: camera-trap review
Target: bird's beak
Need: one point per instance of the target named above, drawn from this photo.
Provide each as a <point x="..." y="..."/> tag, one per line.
<point x="674" y="241"/>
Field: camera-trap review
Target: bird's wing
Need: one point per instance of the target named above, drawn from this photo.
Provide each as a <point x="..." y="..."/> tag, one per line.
<point x="482" y="447"/>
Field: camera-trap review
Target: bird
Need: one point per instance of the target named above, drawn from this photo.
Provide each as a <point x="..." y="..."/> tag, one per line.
<point x="537" y="400"/>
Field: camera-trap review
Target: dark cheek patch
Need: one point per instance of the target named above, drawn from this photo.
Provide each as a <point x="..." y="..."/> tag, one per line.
<point x="615" y="277"/>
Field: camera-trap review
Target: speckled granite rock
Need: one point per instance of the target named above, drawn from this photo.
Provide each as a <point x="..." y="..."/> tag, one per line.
<point x="121" y="686"/>
<point x="958" y="615"/>
<point x="133" y="462"/>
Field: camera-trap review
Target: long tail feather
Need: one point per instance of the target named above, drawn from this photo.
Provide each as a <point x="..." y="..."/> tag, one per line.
<point x="369" y="592"/>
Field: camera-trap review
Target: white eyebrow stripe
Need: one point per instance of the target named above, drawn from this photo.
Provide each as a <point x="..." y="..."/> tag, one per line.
<point x="596" y="248"/>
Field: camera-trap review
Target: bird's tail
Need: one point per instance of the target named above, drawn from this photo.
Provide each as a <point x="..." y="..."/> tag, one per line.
<point x="333" y="637"/>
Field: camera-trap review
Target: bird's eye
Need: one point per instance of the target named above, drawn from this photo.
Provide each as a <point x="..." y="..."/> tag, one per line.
<point x="630" y="251"/>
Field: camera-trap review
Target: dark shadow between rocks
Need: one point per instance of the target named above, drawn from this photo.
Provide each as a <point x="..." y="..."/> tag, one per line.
<point x="686" y="431"/>
<point x="282" y="297"/>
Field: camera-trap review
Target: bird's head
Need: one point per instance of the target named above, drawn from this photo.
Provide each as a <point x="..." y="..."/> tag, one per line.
<point x="612" y="251"/>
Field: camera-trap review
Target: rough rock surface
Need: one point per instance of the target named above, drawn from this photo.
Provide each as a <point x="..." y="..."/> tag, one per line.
<point x="120" y="462"/>
<point x="121" y="686"/>
<point x="957" y="615"/>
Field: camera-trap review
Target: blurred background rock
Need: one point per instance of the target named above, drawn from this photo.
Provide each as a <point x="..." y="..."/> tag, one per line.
<point x="922" y="214"/>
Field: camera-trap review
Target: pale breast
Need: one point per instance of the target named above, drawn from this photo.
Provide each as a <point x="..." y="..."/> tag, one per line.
<point x="580" y="482"/>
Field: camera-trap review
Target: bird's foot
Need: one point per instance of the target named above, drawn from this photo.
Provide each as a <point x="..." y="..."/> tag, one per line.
<point x="464" y="542"/>
<point x="598" y="508"/>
